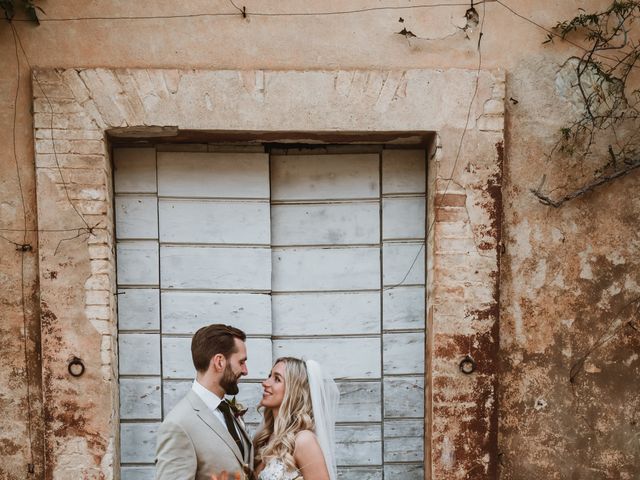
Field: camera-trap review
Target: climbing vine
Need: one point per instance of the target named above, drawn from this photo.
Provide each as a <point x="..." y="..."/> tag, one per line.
<point x="606" y="131"/>
<point x="11" y="7"/>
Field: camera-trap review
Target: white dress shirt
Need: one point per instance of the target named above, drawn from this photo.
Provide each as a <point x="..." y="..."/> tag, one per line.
<point x="212" y="401"/>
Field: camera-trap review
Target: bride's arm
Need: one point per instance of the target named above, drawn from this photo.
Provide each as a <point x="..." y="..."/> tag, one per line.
<point x="309" y="458"/>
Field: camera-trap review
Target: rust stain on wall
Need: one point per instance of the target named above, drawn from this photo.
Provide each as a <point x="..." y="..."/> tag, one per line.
<point x="68" y="417"/>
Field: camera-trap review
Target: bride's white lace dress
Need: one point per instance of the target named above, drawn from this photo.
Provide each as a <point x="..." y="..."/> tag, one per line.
<point x="276" y="470"/>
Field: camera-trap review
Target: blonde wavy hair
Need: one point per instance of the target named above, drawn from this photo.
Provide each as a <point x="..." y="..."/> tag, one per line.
<point x="276" y="437"/>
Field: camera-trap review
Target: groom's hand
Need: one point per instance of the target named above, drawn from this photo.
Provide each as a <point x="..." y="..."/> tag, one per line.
<point x="225" y="476"/>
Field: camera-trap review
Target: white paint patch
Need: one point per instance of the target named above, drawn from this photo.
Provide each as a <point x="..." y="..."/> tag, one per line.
<point x="540" y="275"/>
<point x="518" y="326"/>
<point x="631" y="285"/>
<point x="208" y="102"/>
<point x="516" y="357"/>
<point x="631" y="359"/>
<point x="585" y="267"/>
<point x="106" y="465"/>
<point x="568" y="322"/>
<point x="540" y="404"/>
<point x="616" y="258"/>
<point x="448" y="456"/>
<point x="536" y="234"/>
<point x="591" y="368"/>
<point x="558" y="281"/>
<point x="76" y="460"/>
<point x="557" y="235"/>
<point x="521" y="238"/>
<point x="613" y="290"/>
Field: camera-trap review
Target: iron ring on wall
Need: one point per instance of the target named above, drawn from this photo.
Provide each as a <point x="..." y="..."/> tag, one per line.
<point x="73" y="369"/>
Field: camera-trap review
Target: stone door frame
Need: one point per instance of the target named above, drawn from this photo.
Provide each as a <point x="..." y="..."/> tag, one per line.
<point x="75" y="109"/>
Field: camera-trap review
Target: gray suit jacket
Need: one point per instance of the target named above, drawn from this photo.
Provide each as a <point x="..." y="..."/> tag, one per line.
<point x="193" y="444"/>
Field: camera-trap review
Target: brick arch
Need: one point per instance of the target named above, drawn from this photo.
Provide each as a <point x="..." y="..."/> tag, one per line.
<point x="73" y="110"/>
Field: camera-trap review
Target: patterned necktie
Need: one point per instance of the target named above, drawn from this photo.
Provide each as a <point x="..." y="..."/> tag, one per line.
<point x="228" y="420"/>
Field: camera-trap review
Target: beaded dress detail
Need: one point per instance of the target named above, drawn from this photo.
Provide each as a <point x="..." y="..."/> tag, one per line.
<point x="276" y="470"/>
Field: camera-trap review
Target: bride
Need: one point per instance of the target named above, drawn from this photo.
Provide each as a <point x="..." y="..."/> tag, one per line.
<point x="296" y="438"/>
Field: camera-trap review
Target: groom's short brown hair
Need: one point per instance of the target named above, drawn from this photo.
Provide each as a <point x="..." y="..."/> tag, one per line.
<point x="211" y="340"/>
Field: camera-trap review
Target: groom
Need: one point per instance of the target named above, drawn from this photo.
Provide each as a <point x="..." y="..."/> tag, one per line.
<point x="201" y="436"/>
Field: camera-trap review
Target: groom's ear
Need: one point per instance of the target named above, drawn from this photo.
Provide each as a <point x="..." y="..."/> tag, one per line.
<point x="218" y="362"/>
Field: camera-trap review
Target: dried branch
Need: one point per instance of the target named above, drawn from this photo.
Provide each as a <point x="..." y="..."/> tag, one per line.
<point x="546" y="200"/>
<point x="610" y="108"/>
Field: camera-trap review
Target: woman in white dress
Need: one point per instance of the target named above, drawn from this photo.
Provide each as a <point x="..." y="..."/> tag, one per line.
<point x="296" y="438"/>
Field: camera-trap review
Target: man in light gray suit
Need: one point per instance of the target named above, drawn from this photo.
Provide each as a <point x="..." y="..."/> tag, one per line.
<point x="201" y="436"/>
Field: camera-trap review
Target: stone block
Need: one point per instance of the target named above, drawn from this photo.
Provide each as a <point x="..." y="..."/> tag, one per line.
<point x="97" y="297"/>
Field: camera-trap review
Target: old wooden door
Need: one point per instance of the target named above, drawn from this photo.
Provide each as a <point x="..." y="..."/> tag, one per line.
<point x="314" y="253"/>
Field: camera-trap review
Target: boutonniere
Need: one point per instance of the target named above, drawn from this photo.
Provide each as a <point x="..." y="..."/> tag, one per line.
<point x="237" y="408"/>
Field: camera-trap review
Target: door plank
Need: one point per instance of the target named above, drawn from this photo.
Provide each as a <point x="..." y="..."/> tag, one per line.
<point x="219" y="268"/>
<point x="134" y="170"/>
<point x="404" y="396"/>
<point x="403" y="353"/>
<point x="403" y="171"/>
<point x="404" y="440"/>
<point x="403" y="218"/>
<point x="326" y="313"/>
<point x="359" y="402"/>
<point x="201" y="221"/>
<point x="326" y="224"/>
<point x="139" y="309"/>
<point x="140" y="398"/>
<point x="403" y="263"/>
<point x="340" y="176"/>
<point x="358" y="445"/>
<point x="213" y="175"/>
<point x="136" y="217"/>
<point x="139" y="353"/>
<point x="185" y="312"/>
<point x="403" y="308"/>
<point x="350" y="357"/>
<point x="138" y="442"/>
<point x="138" y="473"/>
<point x="137" y="263"/>
<point x="304" y="269"/>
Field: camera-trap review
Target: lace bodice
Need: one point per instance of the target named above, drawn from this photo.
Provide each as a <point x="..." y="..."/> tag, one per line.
<point x="276" y="470"/>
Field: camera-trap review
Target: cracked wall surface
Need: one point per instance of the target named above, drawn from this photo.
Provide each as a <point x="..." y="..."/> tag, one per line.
<point x="567" y="275"/>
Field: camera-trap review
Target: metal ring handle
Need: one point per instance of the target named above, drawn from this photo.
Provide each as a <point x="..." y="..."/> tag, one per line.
<point x="75" y="362"/>
<point x="468" y="365"/>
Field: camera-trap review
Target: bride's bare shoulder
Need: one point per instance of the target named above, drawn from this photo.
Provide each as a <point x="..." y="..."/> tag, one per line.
<point x="309" y="457"/>
<point x="306" y="438"/>
<point x="306" y="444"/>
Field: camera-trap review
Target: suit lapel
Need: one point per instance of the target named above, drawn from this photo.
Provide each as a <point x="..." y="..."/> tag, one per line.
<point x="248" y="444"/>
<point x="203" y="412"/>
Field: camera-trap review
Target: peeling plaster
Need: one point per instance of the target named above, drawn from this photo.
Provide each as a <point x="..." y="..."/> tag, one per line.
<point x="539" y="276"/>
<point x="585" y="267"/>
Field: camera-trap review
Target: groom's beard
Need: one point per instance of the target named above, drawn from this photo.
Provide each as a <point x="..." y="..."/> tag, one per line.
<point x="229" y="381"/>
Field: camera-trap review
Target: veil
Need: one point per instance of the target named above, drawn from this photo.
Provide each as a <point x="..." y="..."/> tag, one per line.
<point x="324" y="399"/>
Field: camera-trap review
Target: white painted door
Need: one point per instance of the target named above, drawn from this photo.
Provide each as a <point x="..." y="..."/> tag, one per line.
<point x="317" y="256"/>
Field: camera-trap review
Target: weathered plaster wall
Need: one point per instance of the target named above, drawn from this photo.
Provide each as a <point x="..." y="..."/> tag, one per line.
<point x="565" y="272"/>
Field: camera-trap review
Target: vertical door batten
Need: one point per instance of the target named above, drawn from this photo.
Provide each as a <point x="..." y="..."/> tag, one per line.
<point x="403" y="311"/>
<point x="139" y="339"/>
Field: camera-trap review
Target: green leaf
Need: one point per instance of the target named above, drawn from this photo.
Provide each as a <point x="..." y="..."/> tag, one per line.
<point x="32" y="14"/>
<point x="8" y="7"/>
